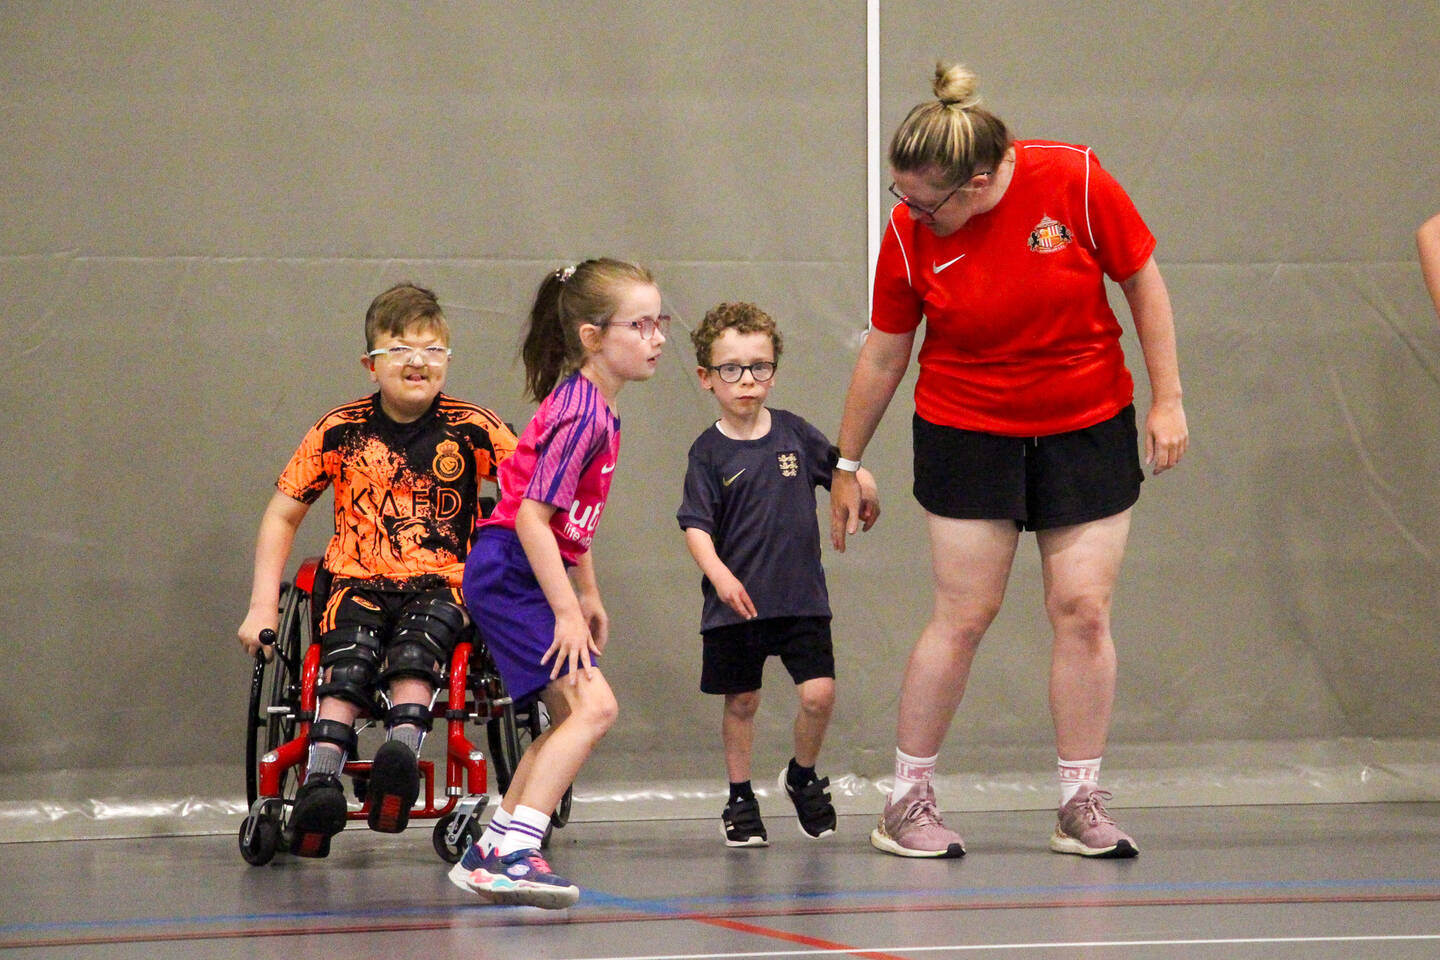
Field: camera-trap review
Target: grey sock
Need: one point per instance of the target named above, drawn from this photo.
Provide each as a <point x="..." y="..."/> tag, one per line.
<point x="325" y="760"/>
<point x="408" y="734"/>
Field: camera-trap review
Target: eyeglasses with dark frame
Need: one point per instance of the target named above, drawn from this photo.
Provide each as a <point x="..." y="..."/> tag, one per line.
<point x="646" y="325"/>
<point x="931" y="211"/>
<point x="431" y="356"/>
<point x="732" y="372"/>
<point x="921" y="208"/>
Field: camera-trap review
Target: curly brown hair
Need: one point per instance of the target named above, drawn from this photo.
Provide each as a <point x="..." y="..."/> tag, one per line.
<point x="740" y="317"/>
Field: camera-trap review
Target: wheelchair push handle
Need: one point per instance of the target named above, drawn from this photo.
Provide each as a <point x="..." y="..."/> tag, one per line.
<point x="267" y="639"/>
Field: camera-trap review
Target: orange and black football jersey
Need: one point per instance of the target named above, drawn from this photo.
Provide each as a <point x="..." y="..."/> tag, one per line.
<point x="406" y="494"/>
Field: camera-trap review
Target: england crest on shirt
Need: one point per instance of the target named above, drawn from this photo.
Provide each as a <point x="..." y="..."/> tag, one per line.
<point x="789" y="464"/>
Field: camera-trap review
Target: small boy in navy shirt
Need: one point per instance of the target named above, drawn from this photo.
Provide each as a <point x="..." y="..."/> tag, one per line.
<point x="749" y="520"/>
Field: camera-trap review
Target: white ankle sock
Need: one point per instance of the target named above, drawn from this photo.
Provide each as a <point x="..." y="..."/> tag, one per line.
<point x="526" y="830"/>
<point x="1077" y="773"/>
<point x="910" y="771"/>
<point x="494" y="830"/>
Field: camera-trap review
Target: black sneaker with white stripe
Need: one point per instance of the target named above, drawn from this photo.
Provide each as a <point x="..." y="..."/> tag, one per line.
<point x="742" y="824"/>
<point x="812" y="806"/>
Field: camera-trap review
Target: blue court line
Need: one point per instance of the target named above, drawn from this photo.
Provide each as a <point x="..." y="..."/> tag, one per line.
<point x="931" y="894"/>
<point x="678" y="906"/>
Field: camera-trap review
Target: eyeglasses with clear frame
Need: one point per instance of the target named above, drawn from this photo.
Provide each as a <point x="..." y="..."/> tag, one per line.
<point x="645" y="325"/>
<point x="732" y="372"/>
<point x="432" y="356"/>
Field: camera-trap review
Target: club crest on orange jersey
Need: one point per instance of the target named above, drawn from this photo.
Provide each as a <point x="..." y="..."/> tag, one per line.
<point x="1049" y="236"/>
<point x="448" y="464"/>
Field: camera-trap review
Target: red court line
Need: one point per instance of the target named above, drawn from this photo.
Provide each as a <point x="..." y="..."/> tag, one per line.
<point x="473" y="919"/>
<point x="792" y="937"/>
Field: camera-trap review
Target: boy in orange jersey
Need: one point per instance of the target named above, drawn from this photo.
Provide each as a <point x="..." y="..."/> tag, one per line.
<point x="406" y="463"/>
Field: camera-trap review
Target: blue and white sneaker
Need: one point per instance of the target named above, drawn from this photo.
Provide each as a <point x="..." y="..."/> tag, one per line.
<point x="522" y="878"/>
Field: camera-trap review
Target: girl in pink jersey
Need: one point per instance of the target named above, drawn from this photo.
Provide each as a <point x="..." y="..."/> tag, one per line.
<point x="1024" y="420"/>
<point x="529" y="579"/>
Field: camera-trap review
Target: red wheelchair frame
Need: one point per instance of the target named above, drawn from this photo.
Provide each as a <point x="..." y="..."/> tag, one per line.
<point x="277" y="729"/>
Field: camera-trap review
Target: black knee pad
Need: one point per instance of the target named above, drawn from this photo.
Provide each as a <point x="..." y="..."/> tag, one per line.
<point x="423" y="640"/>
<point x="416" y="713"/>
<point x="333" y="731"/>
<point x="352" y="655"/>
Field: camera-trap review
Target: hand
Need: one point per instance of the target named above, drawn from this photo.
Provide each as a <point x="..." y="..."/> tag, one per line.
<point x="844" y="507"/>
<point x="573" y="645"/>
<point x="729" y="589"/>
<point x="869" y="498"/>
<point x="1166" y="435"/>
<point x="596" y="619"/>
<point x="249" y="632"/>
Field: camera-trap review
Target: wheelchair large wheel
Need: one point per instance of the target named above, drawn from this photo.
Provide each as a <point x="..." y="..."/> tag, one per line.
<point x="275" y="692"/>
<point x="504" y="740"/>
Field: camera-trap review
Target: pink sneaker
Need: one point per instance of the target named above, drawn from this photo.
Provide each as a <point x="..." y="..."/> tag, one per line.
<point x="911" y="827"/>
<point x="1086" y="829"/>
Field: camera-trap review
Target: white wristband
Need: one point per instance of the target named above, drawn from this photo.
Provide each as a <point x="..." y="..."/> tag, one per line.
<point x="848" y="465"/>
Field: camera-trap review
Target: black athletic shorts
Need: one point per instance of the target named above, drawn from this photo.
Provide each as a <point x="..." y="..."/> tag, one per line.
<point x="734" y="656"/>
<point x="352" y="605"/>
<point x="1039" y="482"/>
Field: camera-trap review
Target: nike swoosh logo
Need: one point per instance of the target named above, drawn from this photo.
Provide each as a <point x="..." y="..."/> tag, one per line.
<point x="937" y="267"/>
<point x="734" y="478"/>
<point x="609" y="469"/>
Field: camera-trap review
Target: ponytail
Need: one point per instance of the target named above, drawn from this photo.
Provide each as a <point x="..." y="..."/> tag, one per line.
<point x="545" y="350"/>
<point x="587" y="292"/>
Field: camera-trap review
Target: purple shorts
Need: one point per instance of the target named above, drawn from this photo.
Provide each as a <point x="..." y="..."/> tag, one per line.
<point x="511" y="612"/>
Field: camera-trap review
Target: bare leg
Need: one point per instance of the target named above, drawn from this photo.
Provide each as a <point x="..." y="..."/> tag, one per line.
<point x="580" y="715"/>
<point x="737" y="733"/>
<point x="817" y="700"/>
<point x="1081" y="564"/>
<point x="410" y="690"/>
<point x="521" y="776"/>
<point x="971" y="561"/>
<point x="334" y="708"/>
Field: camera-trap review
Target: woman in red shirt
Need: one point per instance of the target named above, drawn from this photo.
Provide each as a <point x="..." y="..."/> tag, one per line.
<point x="1024" y="420"/>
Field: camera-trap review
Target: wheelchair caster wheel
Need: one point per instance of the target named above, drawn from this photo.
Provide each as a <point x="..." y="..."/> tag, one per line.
<point x="451" y="853"/>
<point x="264" y="840"/>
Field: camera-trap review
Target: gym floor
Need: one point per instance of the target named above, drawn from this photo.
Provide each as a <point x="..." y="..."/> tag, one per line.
<point x="1312" y="881"/>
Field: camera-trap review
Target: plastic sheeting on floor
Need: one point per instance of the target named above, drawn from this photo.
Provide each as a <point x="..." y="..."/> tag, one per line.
<point x="94" y="804"/>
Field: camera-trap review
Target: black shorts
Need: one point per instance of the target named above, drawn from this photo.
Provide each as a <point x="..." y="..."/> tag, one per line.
<point x="1039" y="482"/>
<point x="734" y="657"/>
<point x="350" y="605"/>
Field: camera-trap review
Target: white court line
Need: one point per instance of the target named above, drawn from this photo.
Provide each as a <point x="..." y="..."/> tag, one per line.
<point x="971" y="948"/>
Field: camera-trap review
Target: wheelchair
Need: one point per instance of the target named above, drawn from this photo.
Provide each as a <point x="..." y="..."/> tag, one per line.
<point x="282" y="706"/>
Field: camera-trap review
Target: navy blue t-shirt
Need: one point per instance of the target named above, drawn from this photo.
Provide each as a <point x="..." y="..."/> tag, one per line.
<point x="756" y="499"/>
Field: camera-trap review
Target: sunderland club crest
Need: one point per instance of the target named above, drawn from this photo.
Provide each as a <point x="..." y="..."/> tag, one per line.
<point x="1049" y="236"/>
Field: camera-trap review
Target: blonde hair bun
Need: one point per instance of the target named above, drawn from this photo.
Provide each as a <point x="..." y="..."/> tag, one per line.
<point x="956" y="85"/>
